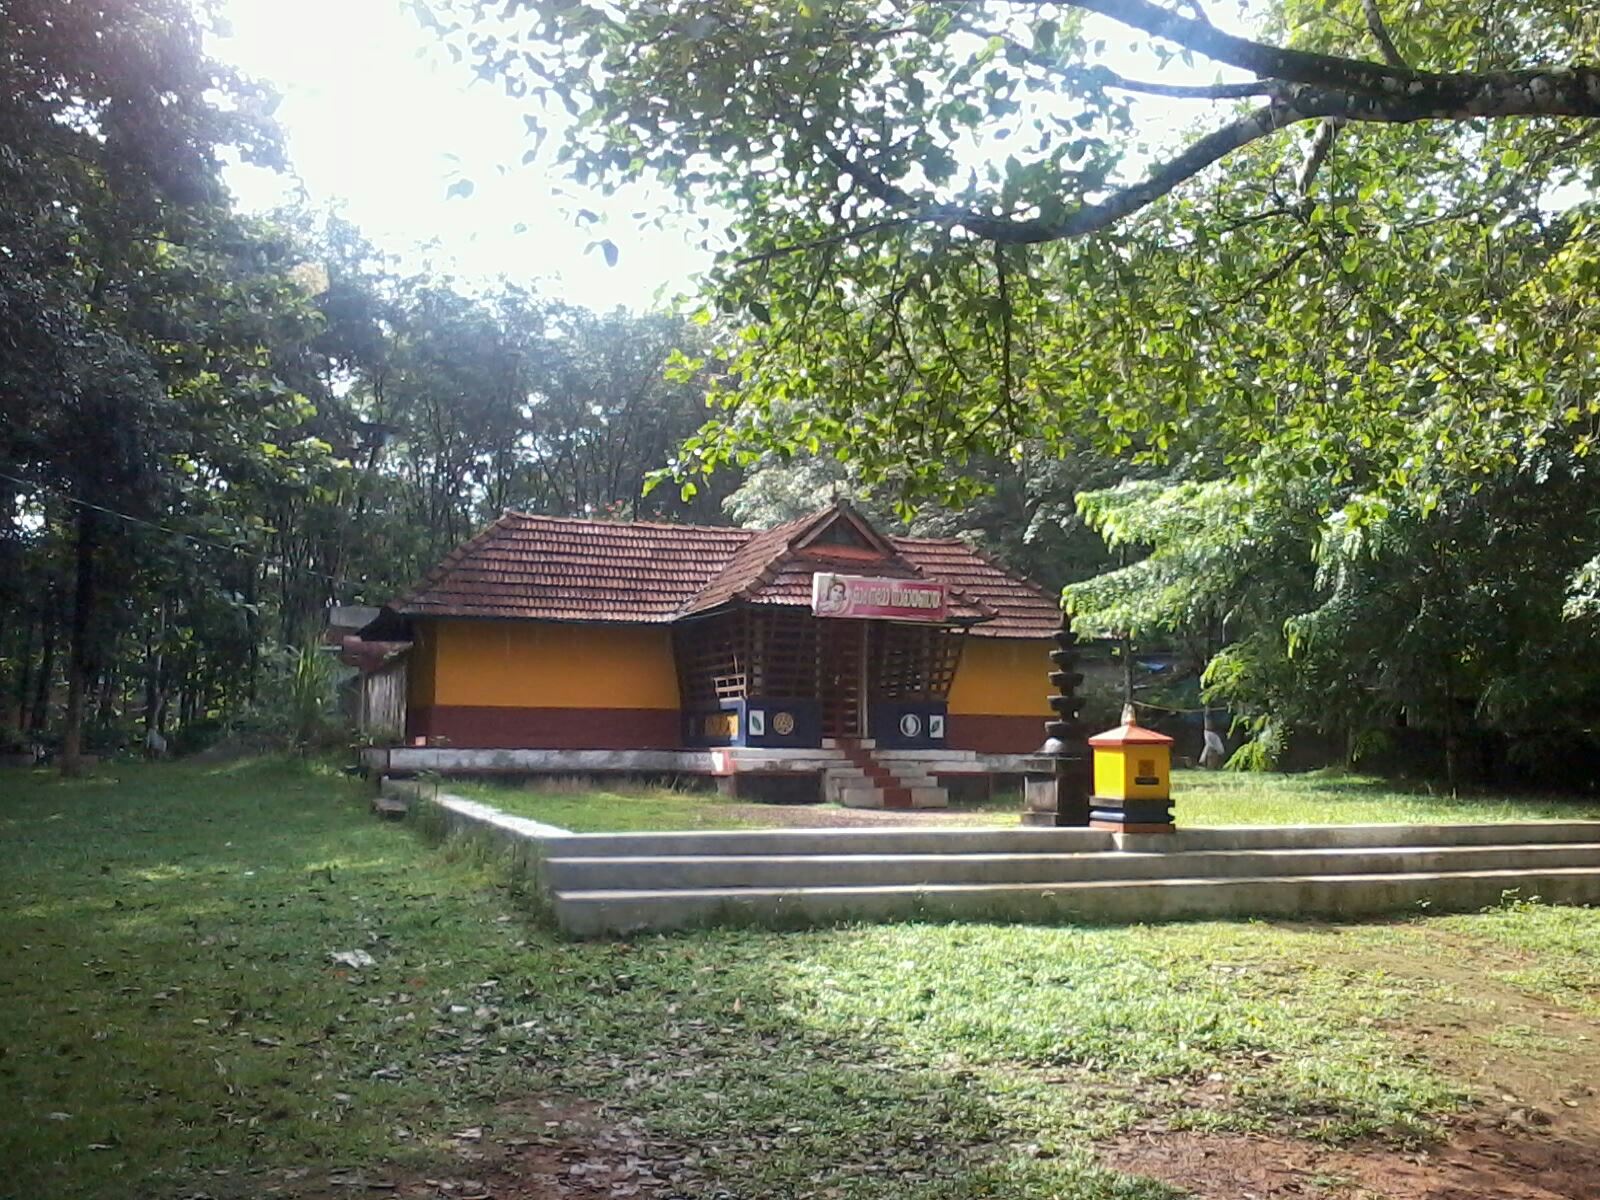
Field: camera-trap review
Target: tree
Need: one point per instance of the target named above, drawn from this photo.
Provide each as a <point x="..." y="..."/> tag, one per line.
<point x="1354" y="316"/>
<point x="1435" y="633"/>
<point x="941" y="236"/>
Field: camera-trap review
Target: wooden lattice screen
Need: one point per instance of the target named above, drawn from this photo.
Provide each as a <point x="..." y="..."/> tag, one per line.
<point x="914" y="662"/>
<point x="713" y="658"/>
<point x="784" y="659"/>
<point x="788" y="652"/>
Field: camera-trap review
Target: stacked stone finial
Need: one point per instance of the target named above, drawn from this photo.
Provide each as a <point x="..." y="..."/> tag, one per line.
<point x="1065" y="732"/>
<point x="1058" y="787"/>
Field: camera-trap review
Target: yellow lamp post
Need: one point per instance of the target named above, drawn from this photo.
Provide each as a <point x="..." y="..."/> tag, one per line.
<point x="1132" y="779"/>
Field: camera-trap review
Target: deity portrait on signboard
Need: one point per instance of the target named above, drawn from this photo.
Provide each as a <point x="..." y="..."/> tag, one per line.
<point x="833" y="596"/>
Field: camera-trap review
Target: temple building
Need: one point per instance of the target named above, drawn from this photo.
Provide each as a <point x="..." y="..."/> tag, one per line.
<point x="755" y="653"/>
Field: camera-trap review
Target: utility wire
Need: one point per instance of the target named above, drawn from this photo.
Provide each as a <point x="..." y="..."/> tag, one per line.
<point x="178" y="533"/>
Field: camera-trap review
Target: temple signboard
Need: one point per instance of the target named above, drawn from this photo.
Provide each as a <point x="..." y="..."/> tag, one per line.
<point x="867" y="596"/>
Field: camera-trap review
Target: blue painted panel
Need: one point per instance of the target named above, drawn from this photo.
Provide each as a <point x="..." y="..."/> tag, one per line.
<point x="909" y="725"/>
<point x="792" y="722"/>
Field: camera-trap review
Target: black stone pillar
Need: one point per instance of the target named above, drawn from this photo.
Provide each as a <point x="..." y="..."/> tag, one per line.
<point x="1061" y="777"/>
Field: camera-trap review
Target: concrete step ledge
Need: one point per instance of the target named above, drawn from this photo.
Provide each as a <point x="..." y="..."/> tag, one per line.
<point x="590" y="914"/>
<point x="1257" y="837"/>
<point x="1048" y="840"/>
<point x="898" y="840"/>
<point x="657" y="872"/>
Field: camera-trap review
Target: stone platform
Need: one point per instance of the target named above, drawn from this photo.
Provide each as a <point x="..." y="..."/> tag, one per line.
<point x="858" y="775"/>
<point x="608" y="884"/>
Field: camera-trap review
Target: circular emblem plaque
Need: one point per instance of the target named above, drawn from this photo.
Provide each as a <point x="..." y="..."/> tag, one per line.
<point x="910" y="725"/>
<point x="783" y="724"/>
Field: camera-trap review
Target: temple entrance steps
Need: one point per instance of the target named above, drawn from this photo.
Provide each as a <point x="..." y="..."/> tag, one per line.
<point x="619" y="883"/>
<point x="863" y="780"/>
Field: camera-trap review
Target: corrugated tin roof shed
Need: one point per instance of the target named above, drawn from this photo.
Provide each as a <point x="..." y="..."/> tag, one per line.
<point x="567" y="569"/>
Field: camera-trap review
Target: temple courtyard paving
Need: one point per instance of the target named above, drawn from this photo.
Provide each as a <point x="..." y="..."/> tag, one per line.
<point x="233" y="981"/>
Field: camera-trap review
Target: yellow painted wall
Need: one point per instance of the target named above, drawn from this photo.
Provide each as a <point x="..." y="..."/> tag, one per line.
<point x="420" y="666"/>
<point x="547" y="664"/>
<point x="1003" y="678"/>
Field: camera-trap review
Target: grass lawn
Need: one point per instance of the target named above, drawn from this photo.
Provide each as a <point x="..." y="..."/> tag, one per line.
<point x="1203" y="798"/>
<point x="626" y="808"/>
<point x="623" y="808"/>
<point x="1335" y="798"/>
<point x="173" y="1025"/>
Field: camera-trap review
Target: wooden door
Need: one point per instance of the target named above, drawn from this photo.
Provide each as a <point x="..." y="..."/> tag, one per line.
<point x="843" y="683"/>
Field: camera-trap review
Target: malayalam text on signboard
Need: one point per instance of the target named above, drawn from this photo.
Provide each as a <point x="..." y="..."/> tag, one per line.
<point x="870" y="596"/>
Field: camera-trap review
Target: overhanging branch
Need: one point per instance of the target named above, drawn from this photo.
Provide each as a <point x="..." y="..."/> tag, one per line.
<point x="1302" y="85"/>
<point x="1380" y="34"/>
<point x="1568" y="91"/>
<point x="1103" y="77"/>
<point x="1093" y="217"/>
<point x="1259" y="58"/>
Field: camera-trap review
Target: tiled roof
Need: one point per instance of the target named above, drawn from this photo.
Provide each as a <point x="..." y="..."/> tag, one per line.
<point x="749" y="566"/>
<point x="1021" y="608"/>
<point x="565" y="569"/>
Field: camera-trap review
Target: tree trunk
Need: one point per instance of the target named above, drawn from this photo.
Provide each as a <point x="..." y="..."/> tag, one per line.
<point x="1127" y="672"/>
<point x="252" y="624"/>
<point x="24" y="675"/>
<point x="80" y="664"/>
<point x="40" y="720"/>
<point x="107" y="687"/>
<point x="1450" y="743"/>
<point x="154" y="701"/>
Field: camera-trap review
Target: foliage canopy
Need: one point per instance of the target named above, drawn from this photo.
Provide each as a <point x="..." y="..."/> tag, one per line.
<point x="944" y="240"/>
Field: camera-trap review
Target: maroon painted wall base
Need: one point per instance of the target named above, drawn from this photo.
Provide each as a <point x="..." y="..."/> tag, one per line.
<point x="995" y="735"/>
<point x="473" y="727"/>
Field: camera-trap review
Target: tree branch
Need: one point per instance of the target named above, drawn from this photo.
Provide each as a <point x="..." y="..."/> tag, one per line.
<point x="1362" y="92"/>
<point x="1321" y="147"/>
<point x="1259" y="58"/>
<point x="1380" y="34"/>
<point x="1567" y="91"/>
<point x="1092" y="217"/>
<point x="1104" y="77"/>
<point x="1270" y="276"/>
<point x="1374" y="91"/>
<point x="846" y="235"/>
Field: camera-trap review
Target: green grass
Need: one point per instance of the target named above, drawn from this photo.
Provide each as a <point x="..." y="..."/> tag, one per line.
<point x="641" y="808"/>
<point x="173" y="1024"/>
<point x="1201" y="798"/>
<point x="1333" y="798"/>
<point x="620" y="809"/>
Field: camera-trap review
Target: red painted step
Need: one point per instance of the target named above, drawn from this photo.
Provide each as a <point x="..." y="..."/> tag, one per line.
<point x="895" y="793"/>
<point x="896" y="797"/>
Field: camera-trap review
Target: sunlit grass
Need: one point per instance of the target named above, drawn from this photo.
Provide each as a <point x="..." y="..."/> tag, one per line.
<point x="621" y="809"/>
<point x="1200" y="798"/>
<point x="1329" y="798"/>
<point x="167" y="986"/>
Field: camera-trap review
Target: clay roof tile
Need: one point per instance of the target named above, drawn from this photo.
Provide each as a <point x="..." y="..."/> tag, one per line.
<point x="570" y="569"/>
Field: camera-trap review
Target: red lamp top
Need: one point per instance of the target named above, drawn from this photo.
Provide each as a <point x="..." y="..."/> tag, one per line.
<point x="1130" y="734"/>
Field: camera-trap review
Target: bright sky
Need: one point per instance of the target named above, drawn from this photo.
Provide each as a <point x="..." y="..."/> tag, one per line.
<point x="381" y="122"/>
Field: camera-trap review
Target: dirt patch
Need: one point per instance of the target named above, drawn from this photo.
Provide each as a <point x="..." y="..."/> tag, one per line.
<point x="1478" y="1163"/>
<point x="1531" y="1067"/>
<point x="1528" y="1063"/>
<point x="541" y="1150"/>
